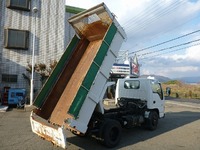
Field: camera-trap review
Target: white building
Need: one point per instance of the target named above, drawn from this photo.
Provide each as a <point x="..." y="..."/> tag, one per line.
<point x="19" y="24"/>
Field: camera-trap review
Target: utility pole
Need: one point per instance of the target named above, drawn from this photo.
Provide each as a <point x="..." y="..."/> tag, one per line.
<point x="35" y="10"/>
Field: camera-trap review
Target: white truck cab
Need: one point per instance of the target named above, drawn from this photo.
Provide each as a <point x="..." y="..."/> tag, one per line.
<point x="144" y="89"/>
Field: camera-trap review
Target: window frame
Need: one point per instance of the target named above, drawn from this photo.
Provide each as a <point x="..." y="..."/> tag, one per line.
<point x="131" y="86"/>
<point x="8" y="41"/>
<point x="9" y="78"/>
<point x="26" y="7"/>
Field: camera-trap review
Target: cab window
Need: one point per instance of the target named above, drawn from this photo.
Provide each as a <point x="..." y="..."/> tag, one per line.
<point x="132" y="84"/>
<point x="156" y="88"/>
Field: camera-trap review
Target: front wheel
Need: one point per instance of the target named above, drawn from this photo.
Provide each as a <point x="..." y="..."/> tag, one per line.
<point x="152" y="120"/>
<point x="111" y="133"/>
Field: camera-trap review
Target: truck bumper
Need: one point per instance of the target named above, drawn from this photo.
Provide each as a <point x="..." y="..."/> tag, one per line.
<point x="48" y="132"/>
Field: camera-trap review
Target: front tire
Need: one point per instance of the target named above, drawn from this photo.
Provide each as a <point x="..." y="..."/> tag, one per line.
<point x="152" y="121"/>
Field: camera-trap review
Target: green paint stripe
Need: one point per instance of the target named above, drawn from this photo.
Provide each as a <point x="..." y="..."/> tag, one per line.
<point x="92" y="72"/>
<point x="78" y="102"/>
<point x="74" y="10"/>
<point x="45" y="91"/>
<point x="83" y="91"/>
<point x="101" y="53"/>
<point x="89" y="78"/>
<point x="105" y="45"/>
<point x="110" y="34"/>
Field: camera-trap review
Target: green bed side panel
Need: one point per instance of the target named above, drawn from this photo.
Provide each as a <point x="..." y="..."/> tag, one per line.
<point x="47" y="88"/>
<point x="83" y="90"/>
<point x="105" y="45"/>
<point x="110" y="34"/>
<point x="91" y="74"/>
<point x="89" y="78"/>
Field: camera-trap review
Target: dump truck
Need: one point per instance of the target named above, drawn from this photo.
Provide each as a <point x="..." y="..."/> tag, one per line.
<point x="72" y="97"/>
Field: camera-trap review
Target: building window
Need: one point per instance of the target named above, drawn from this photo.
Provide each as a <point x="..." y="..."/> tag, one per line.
<point x="19" y="4"/>
<point x="16" y="39"/>
<point x="9" y="78"/>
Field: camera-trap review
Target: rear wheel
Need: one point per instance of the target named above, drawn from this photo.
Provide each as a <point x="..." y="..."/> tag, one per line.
<point x="152" y="121"/>
<point x="111" y="133"/>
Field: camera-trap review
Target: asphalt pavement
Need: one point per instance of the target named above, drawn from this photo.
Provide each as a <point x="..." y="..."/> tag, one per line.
<point x="180" y="130"/>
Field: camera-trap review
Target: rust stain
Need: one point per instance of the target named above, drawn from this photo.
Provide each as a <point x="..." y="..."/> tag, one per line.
<point x="95" y="30"/>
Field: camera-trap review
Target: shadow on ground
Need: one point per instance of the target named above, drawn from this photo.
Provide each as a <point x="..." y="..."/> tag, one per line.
<point x="139" y="134"/>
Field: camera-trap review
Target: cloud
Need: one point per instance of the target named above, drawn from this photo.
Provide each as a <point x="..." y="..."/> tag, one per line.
<point x="193" y="54"/>
<point x="174" y="65"/>
<point x="171" y="71"/>
<point x="177" y="64"/>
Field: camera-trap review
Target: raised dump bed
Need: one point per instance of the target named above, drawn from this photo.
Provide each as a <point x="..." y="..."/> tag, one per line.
<point x="77" y="84"/>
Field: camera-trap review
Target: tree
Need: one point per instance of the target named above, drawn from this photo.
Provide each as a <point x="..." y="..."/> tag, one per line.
<point x="42" y="69"/>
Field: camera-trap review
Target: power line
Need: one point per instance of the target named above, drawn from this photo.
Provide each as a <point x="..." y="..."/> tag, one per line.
<point x="141" y="13"/>
<point x="159" y="15"/>
<point x="169" y="30"/>
<point x="170" y="51"/>
<point x="165" y="11"/>
<point x="170" y="47"/>
<point x="165" y="42"/>
<point x="164" y="32"/>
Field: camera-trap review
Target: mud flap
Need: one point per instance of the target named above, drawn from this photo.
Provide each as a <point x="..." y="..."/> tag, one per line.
<point x="55" y="135"/>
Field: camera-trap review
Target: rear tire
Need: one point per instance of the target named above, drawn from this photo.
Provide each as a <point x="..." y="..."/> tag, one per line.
<point x="111" y="133"/>
<point x="152" y="121"/>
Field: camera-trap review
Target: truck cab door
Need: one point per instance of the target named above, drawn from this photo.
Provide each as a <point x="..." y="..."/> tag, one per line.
<point x="158" y="97"/>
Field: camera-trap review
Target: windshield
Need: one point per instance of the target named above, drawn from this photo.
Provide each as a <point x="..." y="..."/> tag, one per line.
<point x="156" y="88"/>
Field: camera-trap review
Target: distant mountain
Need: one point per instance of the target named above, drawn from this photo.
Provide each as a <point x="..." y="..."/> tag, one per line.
<point x="189" y="79"/>
<point x="159" y="78"/>
<point x="182" y="79"/>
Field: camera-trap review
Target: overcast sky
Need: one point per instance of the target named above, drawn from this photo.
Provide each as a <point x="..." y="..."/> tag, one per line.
<point x="175" y="23"/>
